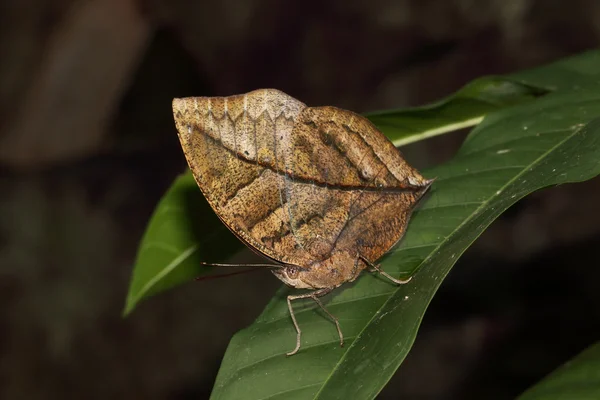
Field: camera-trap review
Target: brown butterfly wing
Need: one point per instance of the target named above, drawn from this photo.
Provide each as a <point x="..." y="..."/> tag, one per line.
<point x="231" y="146"/>
<point x="351" y="190"/>
<point x="295" y="182"/>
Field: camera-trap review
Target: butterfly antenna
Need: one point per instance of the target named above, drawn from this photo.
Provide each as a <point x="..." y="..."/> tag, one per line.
<point x="253" y="267"/>
<point x="210" y="264"/>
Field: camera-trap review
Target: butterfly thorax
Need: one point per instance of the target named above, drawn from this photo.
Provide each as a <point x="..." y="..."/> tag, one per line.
<point x="331" y="272"/>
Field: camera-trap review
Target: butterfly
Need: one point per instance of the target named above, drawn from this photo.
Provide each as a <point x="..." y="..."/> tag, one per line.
<point x="318" y="191"/>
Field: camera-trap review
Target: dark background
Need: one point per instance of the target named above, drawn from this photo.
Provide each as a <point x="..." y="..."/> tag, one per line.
<point x="88" y="146"/>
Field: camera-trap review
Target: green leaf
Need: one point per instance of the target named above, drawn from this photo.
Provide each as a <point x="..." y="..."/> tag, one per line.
<point x="577" y="379"/>
<point x="511" y="154"/>
<point x="468" y="106"/>
<point x="183" y="232"/>
<point x="572" y="73"/>
<point x="464" y="109"/>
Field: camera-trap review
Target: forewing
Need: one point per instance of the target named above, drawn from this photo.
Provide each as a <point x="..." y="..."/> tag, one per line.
<point x="230" y="144"/>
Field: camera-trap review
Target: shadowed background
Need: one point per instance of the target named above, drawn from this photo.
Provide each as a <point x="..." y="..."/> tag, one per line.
<point x="88" y="146"/>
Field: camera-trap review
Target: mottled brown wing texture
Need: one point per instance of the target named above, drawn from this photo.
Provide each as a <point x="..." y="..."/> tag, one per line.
<point x="359" y="191"/>
<point x="294" y="182"/>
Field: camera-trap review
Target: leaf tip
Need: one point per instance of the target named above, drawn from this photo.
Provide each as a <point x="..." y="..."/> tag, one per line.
<point x="129" y="306"/>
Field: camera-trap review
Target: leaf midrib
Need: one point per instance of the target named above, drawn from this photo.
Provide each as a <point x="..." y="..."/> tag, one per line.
<point x="163" y="272"/>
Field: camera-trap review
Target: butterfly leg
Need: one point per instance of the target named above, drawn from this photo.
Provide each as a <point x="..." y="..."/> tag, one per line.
<point x="315" y="296"/>
<point x="382" y="272"/>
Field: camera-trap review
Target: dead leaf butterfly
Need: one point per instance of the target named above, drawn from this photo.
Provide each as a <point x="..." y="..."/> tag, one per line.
<point x="317" y="190"/>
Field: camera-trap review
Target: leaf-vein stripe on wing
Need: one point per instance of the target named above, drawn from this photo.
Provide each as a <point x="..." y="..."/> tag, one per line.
<point x="374" y="153"/>
<point x="297" y="179"/>
<point x="243" y="185"/>
<point x="347" y="128"/>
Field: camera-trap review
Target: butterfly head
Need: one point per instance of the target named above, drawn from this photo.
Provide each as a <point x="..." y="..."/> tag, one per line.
<point x="292" y="276"/>
<point x="331" y="272"/>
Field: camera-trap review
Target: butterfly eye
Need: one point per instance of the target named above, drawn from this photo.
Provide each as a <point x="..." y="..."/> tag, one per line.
<point x="292" y="272"/>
